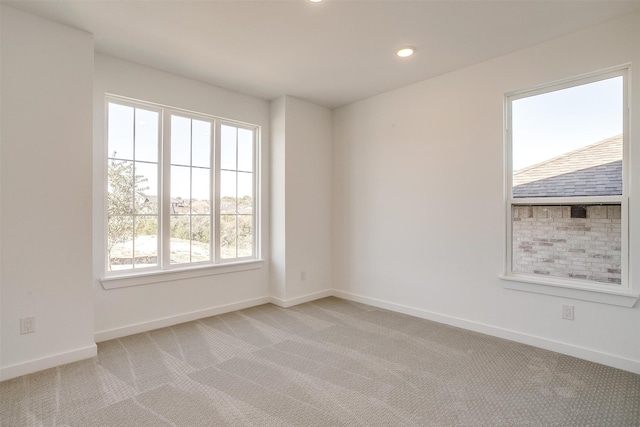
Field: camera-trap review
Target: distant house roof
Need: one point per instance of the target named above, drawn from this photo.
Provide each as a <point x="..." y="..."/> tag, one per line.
<point x="594" y="170"/>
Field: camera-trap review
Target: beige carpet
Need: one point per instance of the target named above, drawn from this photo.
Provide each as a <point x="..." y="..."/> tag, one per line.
<point x="325" y="363"/>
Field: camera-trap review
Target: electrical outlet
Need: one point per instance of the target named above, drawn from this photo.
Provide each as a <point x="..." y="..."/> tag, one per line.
<point x="567" y="312"/>
<point x="303" y="276"/>
<point x="27" y="325"/>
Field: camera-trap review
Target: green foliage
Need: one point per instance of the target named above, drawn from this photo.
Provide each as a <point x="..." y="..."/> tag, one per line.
<point x="236" y="230"/>
<point x="199" y="230"/>
<point x="245" y="235"/>
<point x="228" y="235"/>
<point x="127" y="200"/>
<point x="180" y="227"/>
<point x="126" y="193"/>
<point x="245" y="202"/>
<point x="146" y="226"/>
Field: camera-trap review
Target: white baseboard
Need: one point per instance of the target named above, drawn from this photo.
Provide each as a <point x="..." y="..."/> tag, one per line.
<point x="31" y="366"/>
<point x="547" y="344"/>
<point x="200" y="314"/>
<point x="175" y="320"/>
<point x="300" y="300"/>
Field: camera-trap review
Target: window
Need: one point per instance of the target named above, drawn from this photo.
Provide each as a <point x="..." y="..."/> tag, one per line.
<point x="180" y="189"/>
<point x="236" y="192"/>
<point x="566" y="183"/>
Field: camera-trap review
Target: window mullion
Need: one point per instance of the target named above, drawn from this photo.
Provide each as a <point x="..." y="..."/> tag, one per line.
<point x="237" y="191"/>
<point x="213" y="213"/>
<point x="216" y="189"/>
<point x="565" y="201"/>
<point x="165" y="217"/>
<point x="254" y="245"/>
<point x="190" y="190"/>
<point x="133" y="195"/>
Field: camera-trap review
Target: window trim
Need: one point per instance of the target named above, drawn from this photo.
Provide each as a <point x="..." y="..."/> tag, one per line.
<point x="167" y="271"/>
<point x="622" y="294"/>
<point x="159" y="276"/>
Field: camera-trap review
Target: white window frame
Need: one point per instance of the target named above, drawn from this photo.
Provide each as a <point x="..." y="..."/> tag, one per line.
<point x="148" y="107"/>
<point x="217" y="171"/>
<point x="621" y="294"/>
<point x="165" y="271"/>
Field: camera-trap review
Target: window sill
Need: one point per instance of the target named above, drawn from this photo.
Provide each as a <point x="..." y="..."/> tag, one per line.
<point x="560" y="288"/>
<point x="146" y="278"/>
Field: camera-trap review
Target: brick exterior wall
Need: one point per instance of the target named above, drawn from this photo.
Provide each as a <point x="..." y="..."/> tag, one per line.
<point x="547" y="241"/>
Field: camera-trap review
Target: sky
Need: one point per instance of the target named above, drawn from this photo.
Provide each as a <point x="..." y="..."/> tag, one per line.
<point x="550" y="124"/>
<point x="190" y="152"/>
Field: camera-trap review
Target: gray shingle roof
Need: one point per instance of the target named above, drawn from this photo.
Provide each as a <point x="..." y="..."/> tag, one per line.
<point x="594" y="170"/>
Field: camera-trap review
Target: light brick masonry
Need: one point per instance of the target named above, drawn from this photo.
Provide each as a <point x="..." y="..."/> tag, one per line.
<point x="547" y="241"/>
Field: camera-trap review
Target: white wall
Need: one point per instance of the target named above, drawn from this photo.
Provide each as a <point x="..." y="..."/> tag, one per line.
<point x="46" y="119"/>
<point x="123" y="311"/>
<point x="301" y="187"/>
<point x="410" y="164"/>
<point x="278" y="283"/>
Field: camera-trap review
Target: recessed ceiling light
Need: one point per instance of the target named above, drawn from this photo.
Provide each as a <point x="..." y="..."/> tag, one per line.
<point x="405" y="51"/>
<point x="315" y="1"/>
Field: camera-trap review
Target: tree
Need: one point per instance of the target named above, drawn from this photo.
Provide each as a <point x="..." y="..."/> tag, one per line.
<point x="124" y="193"/>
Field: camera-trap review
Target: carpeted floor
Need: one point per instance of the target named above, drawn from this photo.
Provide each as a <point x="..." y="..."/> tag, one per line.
<point x="326" y="363"/>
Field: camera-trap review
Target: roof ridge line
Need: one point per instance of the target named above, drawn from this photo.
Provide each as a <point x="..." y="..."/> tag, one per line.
<point x="536" y="165"/>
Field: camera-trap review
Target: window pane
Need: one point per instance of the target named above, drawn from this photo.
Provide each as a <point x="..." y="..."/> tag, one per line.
<point x="201" y="190"/>
<point x="228" y="192"/>
<point x="228" y="205"/>
<point x="180" y="141"/>
<point x="245" y="193"/>
<point x="201" y="144"/>
<point x="180" y="243"/>
<point x="245" y="235"/>
<point x="146" y="132"/>
<point x="228" y="147"/>
<point x="245" y="150"/>
<point x="120" y="188"/>
<point x="550" y="241"/>
<point x="227" y="236"/>
<point x="200" y="238"/>
<point x="569" y="142"/>
<point x="146" y="241"/>
<point x="120" y="132"/>
<point x="120" y="242"/>
<point x="180" y="189"/>
<point x="146" y="197"/>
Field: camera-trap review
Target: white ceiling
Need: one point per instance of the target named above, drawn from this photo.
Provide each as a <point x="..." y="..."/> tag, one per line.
<point x="331" y="53"/>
